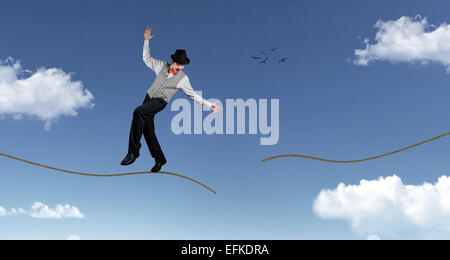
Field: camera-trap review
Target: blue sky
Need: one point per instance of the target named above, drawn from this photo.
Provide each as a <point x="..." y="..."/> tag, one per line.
<point x="329" y="107"/>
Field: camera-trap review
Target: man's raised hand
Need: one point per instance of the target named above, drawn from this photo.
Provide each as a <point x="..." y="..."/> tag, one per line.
<point x="147" y="33"/>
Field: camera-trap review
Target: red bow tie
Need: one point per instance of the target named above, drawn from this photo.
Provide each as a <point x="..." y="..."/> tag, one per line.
<point x="172" y="71"/>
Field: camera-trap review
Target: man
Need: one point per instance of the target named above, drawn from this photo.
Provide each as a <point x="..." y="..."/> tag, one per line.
<point x="169" y="78"/>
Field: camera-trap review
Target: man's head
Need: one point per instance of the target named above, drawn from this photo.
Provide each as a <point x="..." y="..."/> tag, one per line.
<point x="176" y="67"/>
<point x="179" y="60"/>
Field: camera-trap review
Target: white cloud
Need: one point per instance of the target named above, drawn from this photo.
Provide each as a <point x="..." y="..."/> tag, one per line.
<point x="387" y="206"/>
<point x="47" y="93"/>
<point x="40" y="210"/>
<point x="407" y="40"/>
<point x="4" y="212"/>
<point x="73" y="237"/>
<point x="373" y="237"/>
<point x="17" y="211"/>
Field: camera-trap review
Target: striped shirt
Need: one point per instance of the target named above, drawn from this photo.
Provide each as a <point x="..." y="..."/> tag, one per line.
<point x="166" y="84"/>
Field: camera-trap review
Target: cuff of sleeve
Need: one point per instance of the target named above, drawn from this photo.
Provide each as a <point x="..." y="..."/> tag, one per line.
<point x="208" y="104"/>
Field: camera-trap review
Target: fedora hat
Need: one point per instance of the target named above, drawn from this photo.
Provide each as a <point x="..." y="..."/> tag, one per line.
<point x="180" y="57"/>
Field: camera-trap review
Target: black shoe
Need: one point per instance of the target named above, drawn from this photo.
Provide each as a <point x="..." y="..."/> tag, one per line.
<point x="129" y="159"/>
<point x="158" y="166"/>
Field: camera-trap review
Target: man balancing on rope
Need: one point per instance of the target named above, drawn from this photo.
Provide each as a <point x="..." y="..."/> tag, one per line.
<point x="169" y="78"/>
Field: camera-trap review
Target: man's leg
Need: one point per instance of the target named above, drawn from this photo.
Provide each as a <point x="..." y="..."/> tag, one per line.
<point x="152" y="140"/>
<point x="141" y="115"/>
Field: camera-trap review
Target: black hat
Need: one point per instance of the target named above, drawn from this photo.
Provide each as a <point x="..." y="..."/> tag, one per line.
<point x="180" y="57"/>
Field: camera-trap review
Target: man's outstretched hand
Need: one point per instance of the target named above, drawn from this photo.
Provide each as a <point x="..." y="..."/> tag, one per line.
<point x="215" y="108"/>
<point x="147" y="33"/>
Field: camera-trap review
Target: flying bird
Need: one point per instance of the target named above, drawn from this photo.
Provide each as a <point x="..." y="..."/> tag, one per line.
<point x="255" y="57"/>
<point x="264" y="61"/>
<point x="273" y="49"/>
<point x="283" y="60"/>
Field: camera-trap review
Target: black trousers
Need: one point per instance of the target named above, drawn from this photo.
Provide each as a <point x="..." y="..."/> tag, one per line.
<point x="143" y="122"/>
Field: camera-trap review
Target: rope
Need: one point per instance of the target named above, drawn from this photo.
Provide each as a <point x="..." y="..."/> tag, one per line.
<point x="355" y="161"/>
<point x="103" y="175"/>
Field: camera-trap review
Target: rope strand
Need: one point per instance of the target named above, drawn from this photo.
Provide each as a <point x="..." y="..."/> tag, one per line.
<point x="103" y="175"/>
<point x="355" y="161"/>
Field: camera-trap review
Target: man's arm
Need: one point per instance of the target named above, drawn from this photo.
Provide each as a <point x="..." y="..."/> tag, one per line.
<point x="152" y="63"/>
<point x="186" y="87"/>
